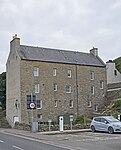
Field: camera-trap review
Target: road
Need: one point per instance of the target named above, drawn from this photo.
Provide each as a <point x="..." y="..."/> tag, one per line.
<point x="72" y="141"/>
<point x="9" y="142"/>
<point x="92" y="141"/>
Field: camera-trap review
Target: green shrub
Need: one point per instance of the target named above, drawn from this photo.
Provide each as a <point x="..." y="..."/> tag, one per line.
<point x="80" y="120"/>
<point x="115" y="115"/>
<point x="117" y="104"/>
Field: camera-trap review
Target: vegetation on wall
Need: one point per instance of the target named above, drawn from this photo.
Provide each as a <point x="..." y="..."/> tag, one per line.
<point x="117" y="61"/>
<point x="3" y="90"/>
<point x="114" y="108"/>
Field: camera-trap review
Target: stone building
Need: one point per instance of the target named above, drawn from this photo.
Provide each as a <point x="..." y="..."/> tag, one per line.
<point x="58" y="82"/>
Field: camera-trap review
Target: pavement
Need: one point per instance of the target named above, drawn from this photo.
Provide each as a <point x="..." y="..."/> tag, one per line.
<point x="39" y="135"/>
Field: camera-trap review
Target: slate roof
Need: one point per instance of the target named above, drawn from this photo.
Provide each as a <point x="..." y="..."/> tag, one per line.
<point x="58" y="56"/>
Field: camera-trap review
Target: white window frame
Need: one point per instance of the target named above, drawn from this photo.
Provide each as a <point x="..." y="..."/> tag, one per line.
<point x="96" y="107"/>
<point x="54" y="72"/>
<point x="36" y="71"/>
<point x="69" y="89"/>
<point x="71" y="103"/>
<point x="101" y="84"/>
<point x="40" y="103"/>
<point x="69" y="73"/>
<point x="89" y="103"/>
<point x="92" y="75"/>
<point x="55" y="87"/>
<point x="92" y="90"/>
<point x="37" y="88"/>
<point x="56" y="103"/>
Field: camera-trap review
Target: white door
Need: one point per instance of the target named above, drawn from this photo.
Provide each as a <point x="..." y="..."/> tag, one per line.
<point x="16" y="119"/>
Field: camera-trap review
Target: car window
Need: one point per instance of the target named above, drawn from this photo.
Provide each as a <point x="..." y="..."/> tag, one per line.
<point x="97" y="119"/>
<point x="103" y="120"/>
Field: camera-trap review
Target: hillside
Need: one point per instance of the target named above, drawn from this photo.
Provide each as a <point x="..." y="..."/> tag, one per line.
<point x="117" y="61"/>
<point x="114" y="108"/>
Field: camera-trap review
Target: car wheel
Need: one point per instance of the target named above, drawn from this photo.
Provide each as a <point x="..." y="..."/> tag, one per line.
<point x="110" y="130"/>
<point x="93" y="128"/>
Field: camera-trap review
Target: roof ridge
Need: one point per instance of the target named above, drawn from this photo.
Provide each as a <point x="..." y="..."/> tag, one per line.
<point x="57" y="49"/>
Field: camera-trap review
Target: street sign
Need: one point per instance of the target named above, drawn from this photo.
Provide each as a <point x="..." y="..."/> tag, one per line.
<point x="32" y="105"/>
<point x="71" y="118"/>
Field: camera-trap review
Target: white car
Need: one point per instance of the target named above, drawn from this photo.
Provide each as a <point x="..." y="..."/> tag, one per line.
<point x="105" y="123"/>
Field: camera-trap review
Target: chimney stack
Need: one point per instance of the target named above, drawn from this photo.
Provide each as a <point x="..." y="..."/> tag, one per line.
<point x="94" y="51"/>
<point x="15" y="43"/>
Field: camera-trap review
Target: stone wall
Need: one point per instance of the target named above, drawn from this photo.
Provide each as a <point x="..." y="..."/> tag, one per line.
<point x="45" y="127"/>
<point x="113" y="92"/>
<point x="80" y="89"/>
<point x="114" y="85"/>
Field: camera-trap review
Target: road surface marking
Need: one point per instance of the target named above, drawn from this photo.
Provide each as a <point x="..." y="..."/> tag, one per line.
<point x="1" y="141"/>
<point x="18" y="147"/>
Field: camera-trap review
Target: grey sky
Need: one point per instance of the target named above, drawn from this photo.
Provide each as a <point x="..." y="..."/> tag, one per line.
<point x="65" y="24"/>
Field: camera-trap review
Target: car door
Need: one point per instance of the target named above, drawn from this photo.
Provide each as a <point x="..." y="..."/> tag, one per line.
<point x="103" y="124"/>
<point x="96" y="123"/>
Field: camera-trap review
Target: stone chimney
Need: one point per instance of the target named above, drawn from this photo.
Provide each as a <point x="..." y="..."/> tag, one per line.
<point x="15" y="43"/>
<point x="94" y="51"/>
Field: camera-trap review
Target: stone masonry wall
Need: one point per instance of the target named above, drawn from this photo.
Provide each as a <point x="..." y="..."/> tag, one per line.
<point x="80" y="81"/>
<point x="84" y="84"/>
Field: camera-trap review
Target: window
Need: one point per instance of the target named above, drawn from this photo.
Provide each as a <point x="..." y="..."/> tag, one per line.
<point x="31" y="98"/>
<point x="55" y="87"/>
<point x="36" y="71"/>
<point x="96" y="107"/>
<point x="115" y="72"/>
<point x="97" y="119"/>
<point x="36" y="88"/>
<point x="71" y="104"/>
<point x="103" y="120"/>
<point x="92" y="75"/>
<point x="92" y="90"/>
<point x="54" y="71"/>
<point x="39" y="104"/>
<point x="69" y="73"/>
<point x="89" y="103"/>
<point x="56" y="103"/>
<point x="68" y="89"/>
<point x="101" y="84"/>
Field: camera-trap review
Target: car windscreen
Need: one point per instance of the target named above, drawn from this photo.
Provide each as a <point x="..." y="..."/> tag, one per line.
<point x="111" y="119"/>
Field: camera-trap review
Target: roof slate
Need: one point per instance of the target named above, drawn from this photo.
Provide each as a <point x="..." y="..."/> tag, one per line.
<point x="59" y="56"/>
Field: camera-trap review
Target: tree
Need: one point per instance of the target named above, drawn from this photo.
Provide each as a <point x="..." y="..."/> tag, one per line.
<point x="117" y="61"/>
<point x="3" y="90"/>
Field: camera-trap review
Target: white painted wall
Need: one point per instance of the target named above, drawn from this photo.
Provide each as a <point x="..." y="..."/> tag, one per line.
<point x="113" y="75"/>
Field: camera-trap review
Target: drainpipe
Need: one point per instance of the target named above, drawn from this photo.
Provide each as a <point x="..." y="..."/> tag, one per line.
<point x="77" y="91"/>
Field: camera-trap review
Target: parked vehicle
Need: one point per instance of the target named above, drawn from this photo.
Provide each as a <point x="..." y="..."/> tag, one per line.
<point x="105" y="123"/>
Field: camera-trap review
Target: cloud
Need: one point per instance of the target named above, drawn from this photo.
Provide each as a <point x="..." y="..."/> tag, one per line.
<point x="66" y="24"/>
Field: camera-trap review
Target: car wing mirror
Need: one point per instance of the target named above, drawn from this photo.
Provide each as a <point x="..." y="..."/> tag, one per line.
<point x="106" y="122"/>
